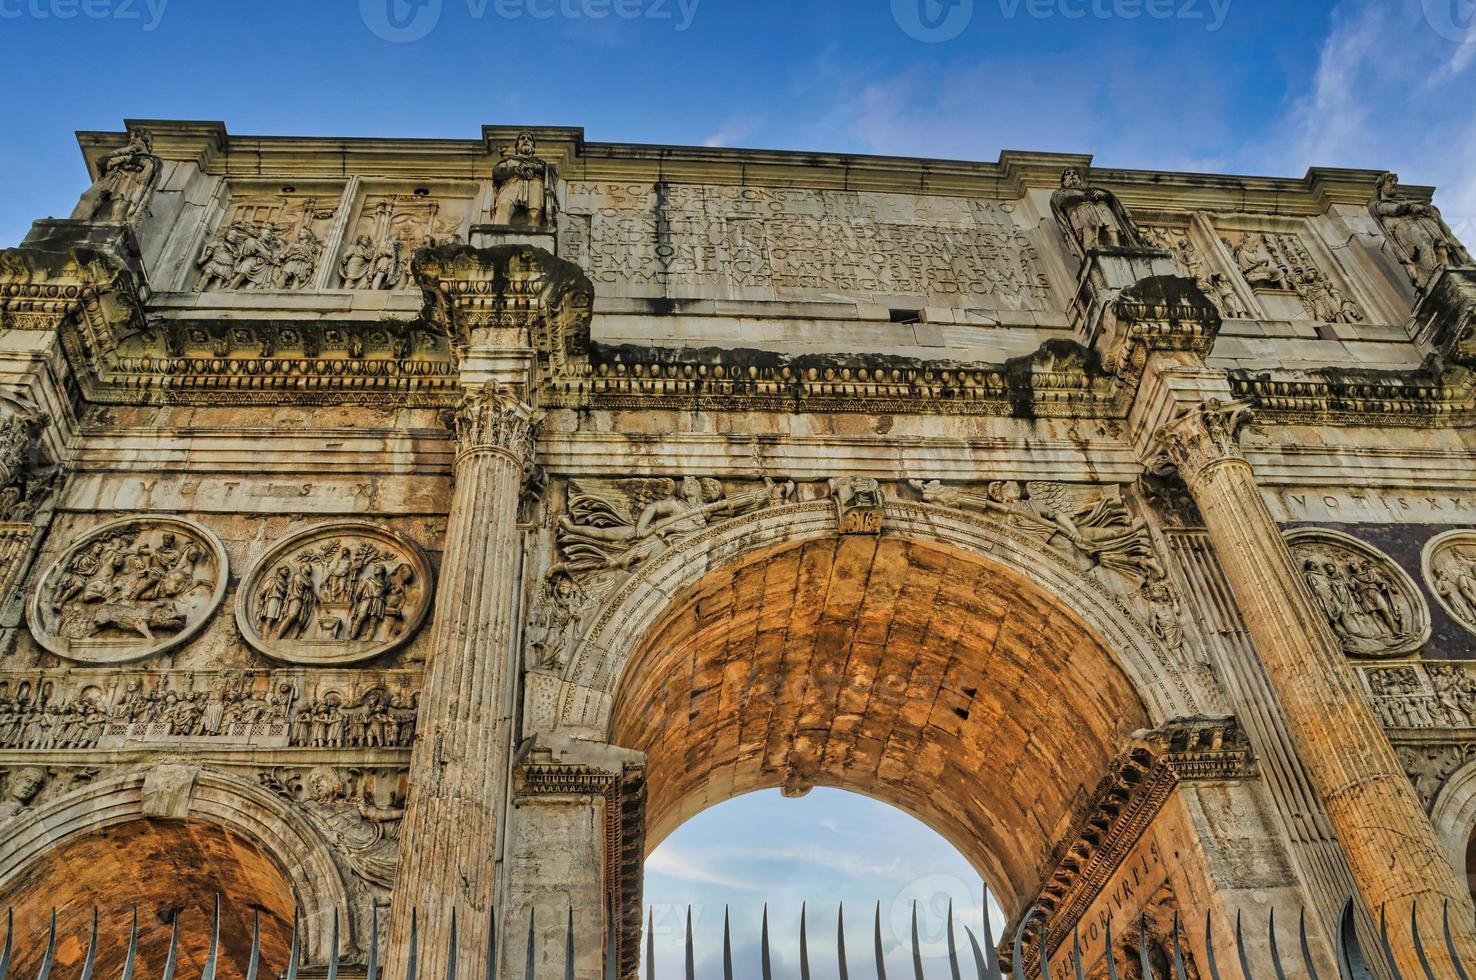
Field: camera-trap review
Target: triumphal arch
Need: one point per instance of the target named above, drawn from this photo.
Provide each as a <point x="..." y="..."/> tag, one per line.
<point x="399" y="527"/>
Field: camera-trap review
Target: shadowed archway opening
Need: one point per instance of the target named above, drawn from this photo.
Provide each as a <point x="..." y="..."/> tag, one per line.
<point x="164" y="869"/>
<point x="917" y="674"/>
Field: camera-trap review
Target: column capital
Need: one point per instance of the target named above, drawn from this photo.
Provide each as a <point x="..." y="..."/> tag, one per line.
<point x="495" y="417"/>
<point x="1199" y="439"/>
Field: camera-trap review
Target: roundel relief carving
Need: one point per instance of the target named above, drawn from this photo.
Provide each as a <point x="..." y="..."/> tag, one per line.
<point x="1449" y="563"/>
<point x="335" y="594"/>
<point x="1372" y="605"/>
<point x="129" y="589"/>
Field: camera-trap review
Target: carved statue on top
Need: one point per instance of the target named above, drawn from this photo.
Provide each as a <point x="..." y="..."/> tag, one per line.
<point x="523" y="186"/>
<point x="124" y="179"/>
<point x="618" y="524"/>
<point x="1421" y="237"/>
<point x="1093" y="218"/>
<point x="1093" y="521"/>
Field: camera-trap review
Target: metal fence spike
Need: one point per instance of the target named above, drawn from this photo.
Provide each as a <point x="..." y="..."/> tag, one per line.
<point x="691" y="971"/>
<point x="876" y="942"/>
<point x="765" y="966"/>
<point x="1076" y="964"/>
<point x="612" y="949"/>
<point x="491" y="943"/>
<point x="253" y="962"/>
<point x="840" y="942"/>
<point x="1143" y="964"/>
<point x="292" y="953"/>
<point x="333" y="944"/>
<point x="212" y="958"/>
<point x="131" y="959"/>
<point x="1275" y="951"/>
<point x="10" y="936"/>
<point x="804" y="946"/>
<point x="1180" y="973"/>
<point x="727" y="945"/>
<point x="569" y="946"/>
<point x="1350" y="954"/>
<point x="917" y="970"/>
<point x="1419" y="945"/>
<point x="991" y="954"/>
<point x="91" y="960"/>
<point x="1245" y="967"/>
<point x="1307" y="963"/>
<point x="952" y="948"/>
<point x="49" y="959"/>
<point x="528" y="963"/>
<point x="371" y="972"/>
<point x="1384" y="942"/>
<point x="1111" y="953"/>
<point x="650" y="944"/>
<point x="171" y="962"/>
<point x="1045" y="966"/>
<point x="412" y="955"/>
<point x="450" y="946"/>
<point x="1450" y="946"/>
<point x="1209" y="949"/>
<point x="980" y="967"/>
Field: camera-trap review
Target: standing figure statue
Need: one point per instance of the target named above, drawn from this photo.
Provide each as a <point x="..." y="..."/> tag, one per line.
<point x="124" y="179"/>
<point x="523" y="185"/>
<point x="1421" y="237"/>
<point x="1092" y="218"/>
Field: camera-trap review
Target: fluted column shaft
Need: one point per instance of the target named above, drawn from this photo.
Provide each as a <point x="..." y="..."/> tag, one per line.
<point x="1385" y="834"/>
<point x="449" y="841"/>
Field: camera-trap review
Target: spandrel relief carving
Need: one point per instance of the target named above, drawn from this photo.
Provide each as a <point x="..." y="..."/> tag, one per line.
<point x="129" y="589"/>
<point x="1093" y="522"/>
<point x="23" y="788"/>
<point x="335" y="594"/>
<point x="358" y="809"/>
<point x="1369" y="602"/>
<point x="1284" y="275"/>
<point x="266" y="242"/>
<point x="616" y="525"/>
<point x="554" y="626"/>
<point x="377" y="251"/>
<point x="1422" y="240"/>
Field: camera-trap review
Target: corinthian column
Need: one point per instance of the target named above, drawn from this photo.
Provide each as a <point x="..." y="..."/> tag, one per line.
<point x="449" y="841"/>
<point x="1388" y="840"/>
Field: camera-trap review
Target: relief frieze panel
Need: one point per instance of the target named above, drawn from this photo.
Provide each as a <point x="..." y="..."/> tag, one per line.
<point x="1287" y="280"/>
<point x="129" y="589"/>
<point x="337" y="593"/>
<point x="48" y="711"/>
<point x="1373" y="607"/>
<point x="389" y="228"/>
<point x="767" y="243"/>
<point x="267" y="241"/>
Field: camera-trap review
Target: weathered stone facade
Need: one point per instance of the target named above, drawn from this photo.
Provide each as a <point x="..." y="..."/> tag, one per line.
<point x="390" y="527"/>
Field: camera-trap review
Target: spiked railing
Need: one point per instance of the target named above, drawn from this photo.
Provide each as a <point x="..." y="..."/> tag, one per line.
<point x="1352" y="963"/>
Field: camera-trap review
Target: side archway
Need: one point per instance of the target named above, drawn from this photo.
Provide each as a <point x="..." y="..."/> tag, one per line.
<point x="1454" y="815"/>
<point x="246" y="812"/>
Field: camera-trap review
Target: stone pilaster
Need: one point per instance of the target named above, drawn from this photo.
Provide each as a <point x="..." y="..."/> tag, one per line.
<point x="450" y="840"/>
<point x="1387" y="839"/>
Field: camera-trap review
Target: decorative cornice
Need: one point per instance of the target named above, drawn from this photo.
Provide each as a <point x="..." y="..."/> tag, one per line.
<point x="84" y="280"/>
<point x="552" y="779"/>
<point x="1200" y="438"/>
<point x="1157" y="313"/>
<point x="495" y="417"/>
<point x="1126" y="801"/>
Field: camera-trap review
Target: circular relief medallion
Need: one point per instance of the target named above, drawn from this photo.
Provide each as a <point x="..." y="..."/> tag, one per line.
<point x="130" y="589"/>
<point x="1372" y="604"/>
<point x="1449" y="563"/>
<point x="335" y="594"/>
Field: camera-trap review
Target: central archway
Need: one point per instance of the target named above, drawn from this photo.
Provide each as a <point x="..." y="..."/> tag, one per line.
<point x="916" y="672"/>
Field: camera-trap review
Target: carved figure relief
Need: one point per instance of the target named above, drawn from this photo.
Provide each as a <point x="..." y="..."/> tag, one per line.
<point x="38" y="721"/>
<point x="1191" y="265"/>
<point x="859" y="502"/>
<point x="129" y="589"/>
<point x="1092" y="218"/>
<point x="376" y="720"/>
<point x="1421" y="238"/>
<point x="22" y="788"/>
<point x="334" y="594"/>
<point x="553" y="628"/>
<point x="1449" y="565"/>
<point x="266" y="243"/>
<point x="1094" y="522"/>
<point x="376" y="254"/>
<point x="523" y="186"/>
<point x="359" y="810"/>
<point x="618" y="524"/>
<point x="1279" y="263"/>
<point x="125" y="177"/>
<point x="1371" y="604"/>
<point x="27" y="475"/>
